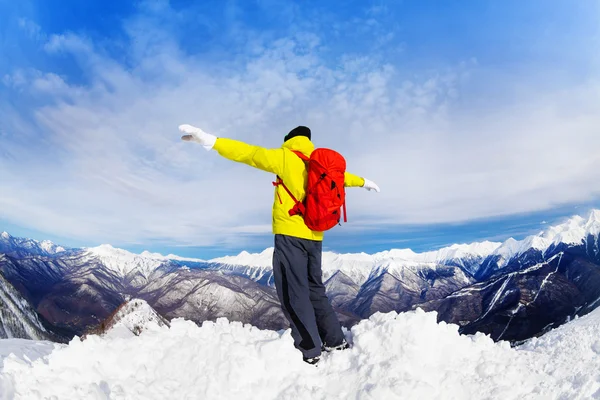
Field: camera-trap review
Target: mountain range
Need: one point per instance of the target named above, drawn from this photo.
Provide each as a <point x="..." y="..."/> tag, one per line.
<point x="512" y="290"/>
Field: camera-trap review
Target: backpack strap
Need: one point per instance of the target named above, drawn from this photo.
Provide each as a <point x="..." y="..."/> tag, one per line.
<point x="298" y="208"/>
<point x="301" y="155"/>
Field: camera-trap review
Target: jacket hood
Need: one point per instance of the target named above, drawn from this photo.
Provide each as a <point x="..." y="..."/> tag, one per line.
<point x="301" y="144"/>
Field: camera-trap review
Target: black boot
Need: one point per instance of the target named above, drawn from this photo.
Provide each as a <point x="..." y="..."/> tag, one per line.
<point x="342" y="346"/>
<point x="312" y="360"/>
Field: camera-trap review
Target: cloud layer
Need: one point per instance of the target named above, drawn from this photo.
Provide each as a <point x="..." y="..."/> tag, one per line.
<point x="99" y="157"/>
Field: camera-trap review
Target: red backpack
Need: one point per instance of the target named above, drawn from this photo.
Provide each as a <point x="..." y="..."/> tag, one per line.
<point x="325" y="191"/>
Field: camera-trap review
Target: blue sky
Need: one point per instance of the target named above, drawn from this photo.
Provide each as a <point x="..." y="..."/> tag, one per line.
<point x="479" y="119"/>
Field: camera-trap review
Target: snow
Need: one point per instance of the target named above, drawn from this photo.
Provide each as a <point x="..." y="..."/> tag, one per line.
<point x="17" y="318"/>
<point x="534" y="242"/>
<point x="23" y="348"/>
<point x="134" y="317"/>
<point x="359" y="266"/>
<point x="407" y="256"/>
<point x="259" y="260"/>
<point x="456" y="251"/>
<point x="572" y="232"/>
<point x="158" y="256"/>
<point x="45" y="246"/>
<point x="393" y="356"/>
<point x="573" y="354"/>
<point x="178" y="258"/>
<point x="50" y="247"/>
<point x="497" y="296"/>
<point x="575" y="230"/>
<point x="124" y="262"/>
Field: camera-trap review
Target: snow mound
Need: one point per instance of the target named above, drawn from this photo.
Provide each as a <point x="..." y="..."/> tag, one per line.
<point x="393" y="356"/>
<point x="135" y="316"/>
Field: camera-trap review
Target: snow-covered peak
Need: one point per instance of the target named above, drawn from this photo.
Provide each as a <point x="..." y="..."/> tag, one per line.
<point x="358" y="266"/>
<point x="575" y="230"/>
<point x="178" y="258"/>
<point x="594" y="216"/>
<point x="572" y="232"/>
<point x="158" y="256"/>
<point x="508" y="248"/>
<point x="399" y="254"/>
<point x="44" y="248"/>
<point x="135" y="316"/>
<point x="259" y="260"/>
<point x="408" y="256"/>
<point x="147" y="254"/>
<point x="109" y="251"/>
<point x="264" y="259"/>
<point x="125" y="262"/>
<point x="50" y="247"/>
<point x="459" y="251"/>
<point x="535" y="242"/>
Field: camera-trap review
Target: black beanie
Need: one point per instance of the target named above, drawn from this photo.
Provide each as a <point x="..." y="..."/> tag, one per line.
<point x="298" y="131"/>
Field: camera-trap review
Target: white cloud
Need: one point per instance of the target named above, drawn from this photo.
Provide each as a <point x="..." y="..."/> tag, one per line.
<point x="32" y="29"/>
<point x="108" y="165"/>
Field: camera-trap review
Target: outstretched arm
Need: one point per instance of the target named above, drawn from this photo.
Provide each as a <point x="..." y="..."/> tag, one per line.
<point x="270" y="160"/>
<point x="351" y="180"/>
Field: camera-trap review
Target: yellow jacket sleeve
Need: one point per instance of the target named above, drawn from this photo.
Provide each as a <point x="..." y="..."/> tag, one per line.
<point x="270" y="160"/>
<point x="351" y="180"/>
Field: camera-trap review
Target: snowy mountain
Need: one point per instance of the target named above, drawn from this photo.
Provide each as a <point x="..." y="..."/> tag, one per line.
<point x="361" y="284"/>
<point x="479" y="260"/>
<point x="360" y="266"/>
<point x="393" y="356"/>
<point x="125" y="263"/>
<point x="577" y="231"/>
<point x="134" y="316"/>
<point x="16" y="246"/>
<point x="17" y="318"/>
<point x="204" y="294"/>
<point x="77" y="290"/>
<point x="512" y="290"/>
<point x="528" y="302"/>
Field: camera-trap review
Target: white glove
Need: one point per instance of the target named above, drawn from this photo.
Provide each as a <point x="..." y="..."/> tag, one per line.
<point x="370" y="185"/>
<point x="198" y="135"/>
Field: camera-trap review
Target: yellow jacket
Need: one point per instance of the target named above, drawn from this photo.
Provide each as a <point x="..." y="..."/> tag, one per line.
<point x="291" y="169"/>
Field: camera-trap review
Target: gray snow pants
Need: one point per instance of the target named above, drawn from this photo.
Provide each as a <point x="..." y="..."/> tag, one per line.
<point x="297" y="273"/>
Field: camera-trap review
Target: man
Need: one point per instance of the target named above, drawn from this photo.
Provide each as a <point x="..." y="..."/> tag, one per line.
<point x="297" y="255"/>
